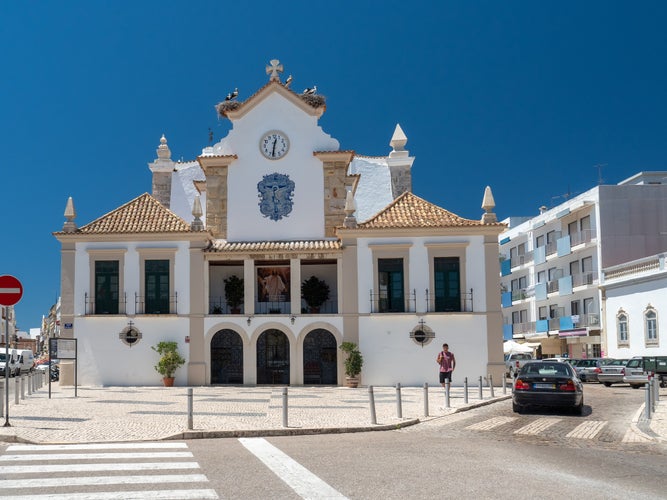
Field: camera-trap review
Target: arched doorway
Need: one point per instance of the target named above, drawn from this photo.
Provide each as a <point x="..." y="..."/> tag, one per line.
<point x="319" y="358"/>
<point x="273" y="358"/>
<point x="226" y="358"/>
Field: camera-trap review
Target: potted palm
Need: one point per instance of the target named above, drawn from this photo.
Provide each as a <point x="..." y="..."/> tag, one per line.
<point x="170" y="360"/>
<point x="234" y="293"/>
<point x="353" y="363"/>
<point x="315" y="292"/>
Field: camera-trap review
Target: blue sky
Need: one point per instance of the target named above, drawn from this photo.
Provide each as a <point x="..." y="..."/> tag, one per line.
<point x="524" y="96"/>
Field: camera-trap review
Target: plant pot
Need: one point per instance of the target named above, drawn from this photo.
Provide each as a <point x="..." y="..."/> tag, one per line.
<point x="236" y="310"/>
<point x="168" y="381"/>
<point x="352" y="382"/>
<point x="314" y="310"/>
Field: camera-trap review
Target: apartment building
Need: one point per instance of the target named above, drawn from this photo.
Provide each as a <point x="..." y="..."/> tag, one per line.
<point x="551" y="263"/>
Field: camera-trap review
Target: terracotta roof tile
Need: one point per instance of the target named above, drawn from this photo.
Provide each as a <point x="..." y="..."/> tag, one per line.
<point x="144" y="214"/>
<point x="273" y="246"/>
<point x="411" y="211"/>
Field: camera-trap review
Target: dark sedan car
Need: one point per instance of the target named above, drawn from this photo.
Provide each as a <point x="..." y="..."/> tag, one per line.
<point x="549" y="384"/>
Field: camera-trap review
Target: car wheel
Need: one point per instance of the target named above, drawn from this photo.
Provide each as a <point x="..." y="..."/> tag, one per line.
<point x="579" y="410"/>
<point x="607" y="384"/>
<point x="635" y="386"/>
<point x="517" y="408"/>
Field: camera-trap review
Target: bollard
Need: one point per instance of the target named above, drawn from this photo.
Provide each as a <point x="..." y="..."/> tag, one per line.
<point x="647" y="401"/>
<point x="654" y="402"/>
<point x="399" y="407"/>
<point x="2" y="397"/>
<point x="465" y="390"/>
<point x="447" y="384"/>
<point x="29" y="383"/>
<point x="491" y="384"/>
<point x="426" y="399"/>
<point x="190" y="425"/>
<point x="371" y="401"/>
<point x="481" y="394"/>
<point x="284" y="406"/>
<point x="17" y="392"/>
<point x="22" y="377"/>
<point x="504" y="385"/>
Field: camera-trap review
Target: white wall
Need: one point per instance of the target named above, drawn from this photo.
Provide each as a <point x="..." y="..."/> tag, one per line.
<point x="391" y="356"/>
<point x="633" y="298"/>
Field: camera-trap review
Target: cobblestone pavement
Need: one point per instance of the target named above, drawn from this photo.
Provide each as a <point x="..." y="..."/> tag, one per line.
<point x="613" y="419"/>
<point x="109" y="414"/>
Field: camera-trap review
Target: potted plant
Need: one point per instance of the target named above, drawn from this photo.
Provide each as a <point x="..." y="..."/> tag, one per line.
<point x="353" y="363"/>
<point x="315" y="292"/>
<point x="170" y="361"/>
<point x="234" y="293"/>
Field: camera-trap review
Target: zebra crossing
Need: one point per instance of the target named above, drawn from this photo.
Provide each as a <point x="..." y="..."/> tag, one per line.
<point x="589" y="429"/>
<point x="103" y="471"/>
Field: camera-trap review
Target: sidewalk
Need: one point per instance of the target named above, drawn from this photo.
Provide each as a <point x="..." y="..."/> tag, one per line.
<point x="107" y="414"/>
<point x="112" y="414"/>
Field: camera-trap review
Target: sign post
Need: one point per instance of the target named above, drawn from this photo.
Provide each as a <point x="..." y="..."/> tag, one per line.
<point x="11" y="292"/>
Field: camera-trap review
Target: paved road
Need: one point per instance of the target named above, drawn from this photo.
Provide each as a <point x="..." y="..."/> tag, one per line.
<point x="488" y="452"/>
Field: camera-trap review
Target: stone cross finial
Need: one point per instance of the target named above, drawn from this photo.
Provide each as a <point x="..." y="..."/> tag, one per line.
<point x="274" y="69"/>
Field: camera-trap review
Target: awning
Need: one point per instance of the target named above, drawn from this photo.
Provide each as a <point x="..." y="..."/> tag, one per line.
<point x="580" y="332"/>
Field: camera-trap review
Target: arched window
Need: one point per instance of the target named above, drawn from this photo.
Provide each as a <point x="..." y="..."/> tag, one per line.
<point x="622" y="328"/>
<point x="651" y="326"/>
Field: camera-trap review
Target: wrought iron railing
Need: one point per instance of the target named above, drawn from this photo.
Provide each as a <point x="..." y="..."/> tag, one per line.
<point x="381" y="302"/>
<point x="91" y="307"/>
<point x="463" y="303"/>
<point x="149" y="305"/>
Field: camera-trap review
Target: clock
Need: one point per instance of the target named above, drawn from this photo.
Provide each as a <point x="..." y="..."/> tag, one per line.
<point x="274" y="145"/>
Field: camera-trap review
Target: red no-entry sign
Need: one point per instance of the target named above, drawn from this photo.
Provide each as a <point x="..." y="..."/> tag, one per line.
<point x="11" y="290"/>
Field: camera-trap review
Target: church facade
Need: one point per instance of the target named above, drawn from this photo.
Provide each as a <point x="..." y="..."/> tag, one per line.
<point x="273" y="247"/>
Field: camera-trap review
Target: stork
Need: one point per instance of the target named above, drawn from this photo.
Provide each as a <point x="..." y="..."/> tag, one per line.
<point x="310" y="91"/>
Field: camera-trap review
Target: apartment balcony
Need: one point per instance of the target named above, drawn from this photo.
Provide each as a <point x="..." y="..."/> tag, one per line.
<point x="520" y="260"/>
<point x="584" y="279"/>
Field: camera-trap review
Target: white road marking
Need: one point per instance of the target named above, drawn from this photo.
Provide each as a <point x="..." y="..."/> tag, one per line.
<point x="124" y="495"/>
<point x="95" y="446"/>
<point x="491" y="423"/>
<point x="537" y="426"/>
<point x="632" y="437"/>
<point x="587" y="430"/>
<point x="94" y="456"/>
<point x="101" y="480"/>
<point x="32" y="469"/>
<point x="301" y="480"/>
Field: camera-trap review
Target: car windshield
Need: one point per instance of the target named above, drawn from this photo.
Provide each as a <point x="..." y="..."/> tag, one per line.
<point x="3" y="357"/>
<point x="546" y="369"/>
<point x="618" y="362"/>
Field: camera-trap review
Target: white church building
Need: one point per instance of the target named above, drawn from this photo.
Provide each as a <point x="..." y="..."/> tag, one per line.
<point x="215" y="258"/>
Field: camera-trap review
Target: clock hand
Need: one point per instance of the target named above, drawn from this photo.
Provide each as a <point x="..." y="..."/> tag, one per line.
<point x="274" y="147"/>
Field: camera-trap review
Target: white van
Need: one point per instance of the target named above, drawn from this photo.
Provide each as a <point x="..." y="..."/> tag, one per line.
<point x="3" y="364"/>
<point x="24" y="361"/>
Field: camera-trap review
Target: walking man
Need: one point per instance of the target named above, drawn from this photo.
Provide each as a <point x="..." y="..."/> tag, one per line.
<point x="447" y="363"/>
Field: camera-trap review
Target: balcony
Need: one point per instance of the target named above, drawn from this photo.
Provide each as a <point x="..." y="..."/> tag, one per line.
<point x="581" y="237"/>
<point x="381" y="302"/>
<point x="520" y="260"/>
<point x="155" y="305"/>
<point x="463" y="303"/>
<point x="93" y="307"/>
<point x="584" y="279"/>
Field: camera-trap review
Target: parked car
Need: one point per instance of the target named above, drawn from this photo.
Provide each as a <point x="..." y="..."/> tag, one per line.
<point x="612" y="372"/>
<point x="3" y="365"/>
<point x="635" y="374"/>
<point x="514" y="361"/>
<point x="588" y="369"/>
<point x="550" y="384"/>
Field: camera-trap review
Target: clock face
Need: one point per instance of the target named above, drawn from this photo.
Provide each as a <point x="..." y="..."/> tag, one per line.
<point x="274" y="145"/>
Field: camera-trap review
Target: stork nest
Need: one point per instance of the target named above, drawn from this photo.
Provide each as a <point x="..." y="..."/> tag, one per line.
<point x="223" y="107"/>
<point x="315" y="100"/>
